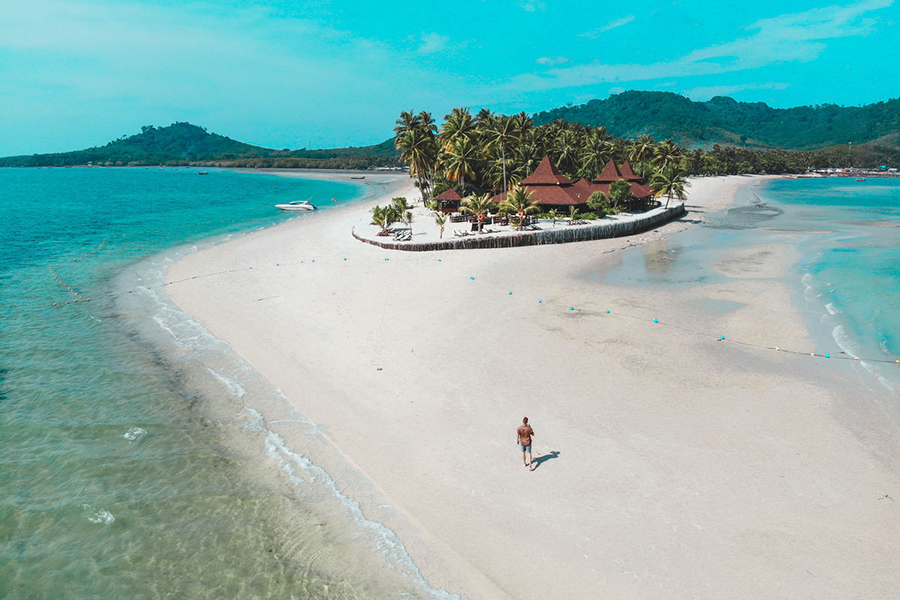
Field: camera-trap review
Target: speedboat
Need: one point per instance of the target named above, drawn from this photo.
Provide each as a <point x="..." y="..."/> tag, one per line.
<point x="296" y="206"/>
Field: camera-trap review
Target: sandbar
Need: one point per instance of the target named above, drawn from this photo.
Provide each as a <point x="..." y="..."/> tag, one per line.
<point x="670" y="463"/>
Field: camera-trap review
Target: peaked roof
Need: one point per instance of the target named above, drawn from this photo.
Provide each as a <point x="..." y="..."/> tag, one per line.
<point x="449" y="195"/>
<point x="628" y="173"/>
<point x="546" y="174"/>
<point x="610" y="173"/>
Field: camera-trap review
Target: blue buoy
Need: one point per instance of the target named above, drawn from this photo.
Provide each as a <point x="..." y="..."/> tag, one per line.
<point x="540" y="301"/>
<point x="471" y="278"/>
<point x="510" y="293"/>
<point x="721" y="337"/>
<point x="827" y="356"/>
<point x="571" y="308"/>
<point x="607" y="312"/>
<point x="656" y="320"/>
<point x="345" y="259"/>
<point x="276" y="264"/>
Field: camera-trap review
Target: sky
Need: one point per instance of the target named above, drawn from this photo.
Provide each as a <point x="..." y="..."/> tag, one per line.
<point x="322" y="74"/>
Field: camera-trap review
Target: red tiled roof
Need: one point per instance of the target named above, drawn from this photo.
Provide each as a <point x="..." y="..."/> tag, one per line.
<point x="628" y="173"/>
<point x="610" y="173"/>
<point x="449" y="195"/>
<point x="546" y="174"/>
<point x="552" y="195"/>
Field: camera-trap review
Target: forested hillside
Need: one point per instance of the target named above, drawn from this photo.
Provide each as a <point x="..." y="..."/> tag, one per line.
<point x="187" y="144"/>
<point x="664" y="115"/>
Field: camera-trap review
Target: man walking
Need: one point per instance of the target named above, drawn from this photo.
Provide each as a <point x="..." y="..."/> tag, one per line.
<point x="523" y="438"/>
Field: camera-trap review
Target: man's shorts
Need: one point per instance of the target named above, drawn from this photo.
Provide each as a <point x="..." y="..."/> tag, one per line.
<point x="525" y="448"/>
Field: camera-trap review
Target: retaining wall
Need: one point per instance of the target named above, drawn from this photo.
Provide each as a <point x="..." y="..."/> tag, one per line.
<point x="557" y="235"/>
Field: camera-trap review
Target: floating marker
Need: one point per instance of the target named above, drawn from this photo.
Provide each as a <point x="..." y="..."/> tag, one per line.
<point x="276" y="264"/>
<point x="721" y="337"/>
<point x="571" y="308"/>
<point x="827" y="356"/>
<point x="607" y="312"/>
<point x="439" y="260"/>
<point x="510" y="293"/>
<point x="656" y="320"/>
<point x="471" y="278"/>
<point x="540" y="301"/>
<point x="345" y="259"/>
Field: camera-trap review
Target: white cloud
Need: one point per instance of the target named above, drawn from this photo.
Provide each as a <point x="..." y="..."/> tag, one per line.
<point x="432" y="43"/>
<point x="552" y="60"/>
<point x="611" y="25"/>
<point x="532" y="5"/>
<point x="795" y="37"/>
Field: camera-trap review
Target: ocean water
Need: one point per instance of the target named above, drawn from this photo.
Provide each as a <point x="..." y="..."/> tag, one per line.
<point x="847" y="281"/>
<point x="130" y="465"/>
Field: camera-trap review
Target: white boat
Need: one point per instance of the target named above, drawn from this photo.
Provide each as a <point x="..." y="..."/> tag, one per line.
<point x="296" y="206"/>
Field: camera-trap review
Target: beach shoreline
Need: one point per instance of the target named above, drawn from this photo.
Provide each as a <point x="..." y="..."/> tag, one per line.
<point x="690" y="472"/>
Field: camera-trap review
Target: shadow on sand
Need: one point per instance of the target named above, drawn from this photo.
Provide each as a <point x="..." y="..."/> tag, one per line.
<point x="538" y="461"/>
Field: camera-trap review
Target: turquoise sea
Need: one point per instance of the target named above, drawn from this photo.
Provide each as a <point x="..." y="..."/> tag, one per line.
<point x="847" y="281"/>
<point x="119" y="477"/>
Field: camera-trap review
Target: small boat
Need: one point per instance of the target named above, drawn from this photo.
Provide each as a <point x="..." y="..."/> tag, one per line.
<point x="357" y="177"/>
<point x="296" y="206"/>
<point x="202" y="173"/>
<point x="860" y="178"/>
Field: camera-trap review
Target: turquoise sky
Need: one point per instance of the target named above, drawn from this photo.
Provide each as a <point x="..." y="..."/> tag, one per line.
<point x="284" y="74"/>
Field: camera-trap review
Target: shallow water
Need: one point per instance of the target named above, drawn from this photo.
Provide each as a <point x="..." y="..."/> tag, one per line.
<point x="129" y="464"/>
<point x="847" y="281"/>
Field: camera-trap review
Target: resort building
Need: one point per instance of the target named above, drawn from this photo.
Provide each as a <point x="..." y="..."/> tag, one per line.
<point x="448" y="202"/>
<point x="551" y="189"/>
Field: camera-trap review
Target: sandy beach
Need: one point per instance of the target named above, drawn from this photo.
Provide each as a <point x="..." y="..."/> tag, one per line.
<point x="669" y="463"/>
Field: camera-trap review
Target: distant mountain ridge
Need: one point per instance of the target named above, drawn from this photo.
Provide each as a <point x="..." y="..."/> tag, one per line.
<point x="723" y="120"/>
<point x="187" y="144"/>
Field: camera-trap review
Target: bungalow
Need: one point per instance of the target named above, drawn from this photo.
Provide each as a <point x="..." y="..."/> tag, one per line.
<point x="448" y="202"/>
<point x="551" y="189"/>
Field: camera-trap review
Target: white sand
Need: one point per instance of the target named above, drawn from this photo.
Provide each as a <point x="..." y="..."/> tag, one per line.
<point x="672" y="465"/>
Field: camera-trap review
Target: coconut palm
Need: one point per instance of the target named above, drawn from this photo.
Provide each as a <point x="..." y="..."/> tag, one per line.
<point x="407" y="219"/>
<point x="407" y="122"/>
<point x="642" y="150"/>
<point x="384" y="217"/>
<point x="457" y="125"/>
<point x="666" y="154"/>
<point x="459" y="161"/>
<point x="480" y="206"/>
<point x="594" y="155"/>
<point x="500" y="134"/>
<point x="440" y="219"/>
<point x="670" y="182"/>
<point x="518" y="203"/>
<point x="418" y="149"/>
<point x="553" y="214"/>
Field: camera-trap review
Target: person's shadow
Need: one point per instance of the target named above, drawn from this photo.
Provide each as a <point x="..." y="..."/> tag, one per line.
<point x="537" y="462"/>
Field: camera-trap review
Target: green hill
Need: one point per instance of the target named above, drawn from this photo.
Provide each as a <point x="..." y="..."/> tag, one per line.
<point x="723" y="120"/>
<point x="187" y="144"/>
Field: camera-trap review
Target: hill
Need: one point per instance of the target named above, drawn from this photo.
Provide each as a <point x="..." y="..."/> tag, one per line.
<point x="187" y="144"/>
<point x="722" y="120"/>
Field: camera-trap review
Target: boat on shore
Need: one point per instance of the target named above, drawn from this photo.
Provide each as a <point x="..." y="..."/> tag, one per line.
<point x="357" y="177"/>
<point x="296" y="206"/>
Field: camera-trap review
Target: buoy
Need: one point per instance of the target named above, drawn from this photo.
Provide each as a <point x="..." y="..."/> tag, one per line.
<point x="721" y="337"/>
<point x="607" y="312"/>
<point x="276" y="264"/>
<point x="510" y="293"/>
<point x="571" y="308"/>
<point x="656" y="320"/>
<point x="827" y="356"/>
<point x="471" y="278"/>
<point x="540" y="301"/>
<point x="345" y="259"/>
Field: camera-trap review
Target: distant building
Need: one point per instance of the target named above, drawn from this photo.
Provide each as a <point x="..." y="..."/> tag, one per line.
<point x="551" y="189"/>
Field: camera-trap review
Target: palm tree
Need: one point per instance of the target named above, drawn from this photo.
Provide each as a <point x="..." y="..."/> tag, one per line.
<point x="440" y="219"/>
<point x="554" y="214"/>
<point x="480" y="206"/>
<point x="384" y="217"/>
<point x="407" y="218"/>
<point x="565" y="148"/>
<point x="407" y="122"/>
<point x="642" y="149"/>
<point x="518" y="202"/>
<point x="460" y="158"/>
<point x="418" y="149"/>
<point x="573" y="213"/>
<point x="666" y="154"/>
<point x="594" y="155"/>
<point x="500" y="133"/>
<point x="670" y="182"/>
<point x="458" y="124"/>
